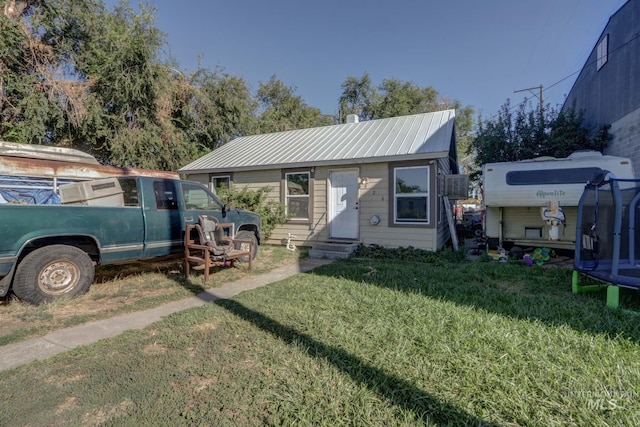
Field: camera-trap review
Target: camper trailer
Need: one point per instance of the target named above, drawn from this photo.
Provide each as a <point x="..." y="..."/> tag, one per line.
<point x="534" y="203"/>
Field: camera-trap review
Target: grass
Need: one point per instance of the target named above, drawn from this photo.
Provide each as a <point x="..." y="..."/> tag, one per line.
<point x="357" y="342"/>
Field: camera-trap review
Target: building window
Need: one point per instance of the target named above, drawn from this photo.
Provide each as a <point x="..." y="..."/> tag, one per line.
<point x="411" y="195"/>
<point x="297" y="195"/>
<point x="602" y="52"/>
<point x="222" y="181"/>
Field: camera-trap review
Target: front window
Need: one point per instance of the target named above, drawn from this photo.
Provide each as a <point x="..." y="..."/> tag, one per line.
<point x="297" y="195"/>
<point x="197" y="197"/>
<point x="411" y="195"/>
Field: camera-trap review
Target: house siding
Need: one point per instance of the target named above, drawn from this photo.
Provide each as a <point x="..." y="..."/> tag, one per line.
<point x="373" y="200"/>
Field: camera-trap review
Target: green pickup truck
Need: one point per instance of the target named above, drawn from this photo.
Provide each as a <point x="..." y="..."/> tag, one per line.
<point x="49" y="251"/>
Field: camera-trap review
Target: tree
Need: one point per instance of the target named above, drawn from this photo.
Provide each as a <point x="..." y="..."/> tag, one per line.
<point x="75" y="74"/>
<point x="394" y="97"/>
<point x="391" y="98"/>
<point x="281" y="109"/>
<point x="127" y="121"/>
<point x="31" y="96"/>
<point x="358" y="97"/>
<point x="214" y="108"/>
<point x="526" y="134"/>
<point x="398" y="98"/>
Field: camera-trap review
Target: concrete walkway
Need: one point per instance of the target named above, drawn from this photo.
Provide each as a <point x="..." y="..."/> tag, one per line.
<point x="56" y="342"/>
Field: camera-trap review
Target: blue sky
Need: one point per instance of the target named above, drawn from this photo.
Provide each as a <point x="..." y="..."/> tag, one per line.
<point x="476" y="51"/>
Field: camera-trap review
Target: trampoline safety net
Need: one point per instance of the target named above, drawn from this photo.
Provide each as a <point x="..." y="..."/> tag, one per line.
<point x="607" y="243"/>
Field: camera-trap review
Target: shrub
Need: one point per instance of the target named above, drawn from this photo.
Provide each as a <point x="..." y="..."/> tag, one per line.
<point x="271" y="212"/>
<point x="410" y="253"/>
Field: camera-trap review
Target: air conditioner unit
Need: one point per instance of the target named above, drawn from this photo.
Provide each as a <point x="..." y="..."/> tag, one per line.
<point x="456" y="186"/>
<point x="99" y="192"/>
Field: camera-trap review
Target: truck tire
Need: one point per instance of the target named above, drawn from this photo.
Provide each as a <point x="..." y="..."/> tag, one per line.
<point x="53" y="272"/>
<point x="248" y="235"/>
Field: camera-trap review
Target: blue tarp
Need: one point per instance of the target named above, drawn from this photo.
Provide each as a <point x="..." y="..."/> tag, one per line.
<point x="29" y="190"/>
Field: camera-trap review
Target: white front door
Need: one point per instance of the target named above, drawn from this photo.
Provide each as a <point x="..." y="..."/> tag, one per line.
<point x="343" y="204"/>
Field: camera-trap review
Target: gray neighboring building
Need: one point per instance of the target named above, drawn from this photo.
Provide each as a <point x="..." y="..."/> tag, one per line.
<point x="607" y="89"/>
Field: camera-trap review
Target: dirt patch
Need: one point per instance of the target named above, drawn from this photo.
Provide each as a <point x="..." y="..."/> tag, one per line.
<point x="127" y="288"/>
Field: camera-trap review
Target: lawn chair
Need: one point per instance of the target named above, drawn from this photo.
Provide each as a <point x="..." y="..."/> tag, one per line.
<point x="206" y="245"/>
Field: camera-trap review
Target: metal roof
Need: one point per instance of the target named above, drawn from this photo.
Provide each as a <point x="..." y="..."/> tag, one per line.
<point x="418" y="136"/>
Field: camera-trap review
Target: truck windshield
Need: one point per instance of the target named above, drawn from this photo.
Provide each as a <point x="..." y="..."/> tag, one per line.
<point x="197" y="197"/>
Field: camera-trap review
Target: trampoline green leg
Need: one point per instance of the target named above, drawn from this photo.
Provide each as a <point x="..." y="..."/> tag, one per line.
<point x="579" y="289"/>
<point x="613" y="296"/>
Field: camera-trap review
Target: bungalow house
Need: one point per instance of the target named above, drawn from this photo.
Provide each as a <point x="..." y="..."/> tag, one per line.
<point x="607" y="89"/>
<point x="375" y="182"/>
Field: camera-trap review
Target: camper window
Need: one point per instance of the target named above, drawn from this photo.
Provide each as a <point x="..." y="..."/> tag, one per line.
<point x="552" y="176"/>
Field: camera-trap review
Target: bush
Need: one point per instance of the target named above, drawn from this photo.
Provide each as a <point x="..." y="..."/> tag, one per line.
<point x="411" y="254"/>
<point x="271" y="212"/>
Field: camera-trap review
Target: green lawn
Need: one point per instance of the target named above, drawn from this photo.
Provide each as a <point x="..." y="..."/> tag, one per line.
<point x="379" y="342"/>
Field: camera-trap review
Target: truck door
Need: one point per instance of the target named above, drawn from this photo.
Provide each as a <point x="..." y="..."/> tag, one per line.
<point x="163" y="226"/>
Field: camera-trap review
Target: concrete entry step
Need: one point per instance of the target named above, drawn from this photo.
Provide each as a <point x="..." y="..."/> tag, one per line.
<point x="333" y="250"/>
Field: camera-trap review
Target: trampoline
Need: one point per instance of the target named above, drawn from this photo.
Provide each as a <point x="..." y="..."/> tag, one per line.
<point x="607" y="244"/>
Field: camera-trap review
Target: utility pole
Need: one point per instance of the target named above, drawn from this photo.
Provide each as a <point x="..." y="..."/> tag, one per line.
<point x="530" y="89"/>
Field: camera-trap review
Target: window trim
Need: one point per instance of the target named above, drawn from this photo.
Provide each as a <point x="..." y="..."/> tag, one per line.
<point x="212" y="177"/>
<point x="284" y="197"/>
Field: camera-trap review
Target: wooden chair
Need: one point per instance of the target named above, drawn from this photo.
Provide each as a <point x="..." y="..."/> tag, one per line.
<point x="207" y="245"/>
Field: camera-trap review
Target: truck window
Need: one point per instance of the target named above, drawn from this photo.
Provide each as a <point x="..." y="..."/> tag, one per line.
<point x="129" y="191"/>
<point x="165" y="192"/>
<point x="197" y="197"/>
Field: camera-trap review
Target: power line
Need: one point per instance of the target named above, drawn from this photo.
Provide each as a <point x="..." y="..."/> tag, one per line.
<point x="570" y="75"/>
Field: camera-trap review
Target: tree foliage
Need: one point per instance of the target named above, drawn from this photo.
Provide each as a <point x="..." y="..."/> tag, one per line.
<point x="75" y="74"/>
<point x="395" y="97"/>
<point x="517" y="134"/>
<point x="281" y="109"/>
<point x="358" y="97"/>
<point x="78" y="75"/>
<point x="214" y="108"/>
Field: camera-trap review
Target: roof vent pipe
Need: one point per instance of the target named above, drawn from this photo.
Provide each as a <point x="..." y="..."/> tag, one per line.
<point x="352" y="118"/>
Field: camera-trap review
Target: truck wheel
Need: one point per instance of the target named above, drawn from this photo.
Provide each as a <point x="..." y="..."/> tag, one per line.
<point x="53" y="272"/>
<point x="247" y="235"/>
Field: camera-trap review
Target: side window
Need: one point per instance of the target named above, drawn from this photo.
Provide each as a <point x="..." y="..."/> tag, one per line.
<point x="552" y="176"/>
<point x="129" y="191"/>
<point x="197" y="197"/>
<point x="165" y="192"/>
